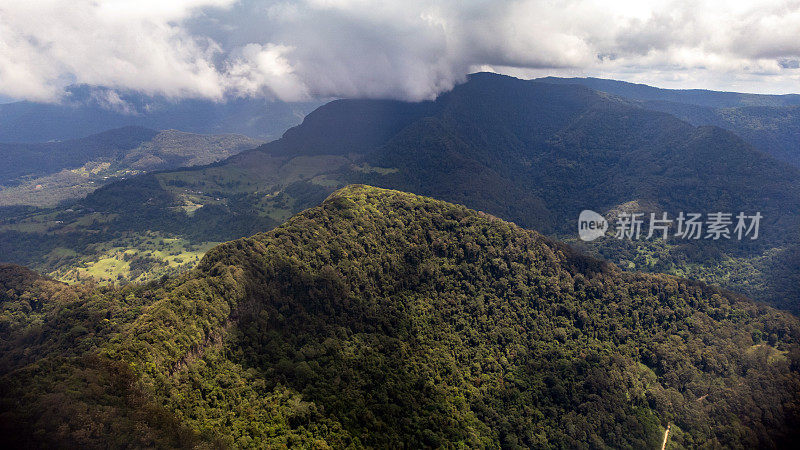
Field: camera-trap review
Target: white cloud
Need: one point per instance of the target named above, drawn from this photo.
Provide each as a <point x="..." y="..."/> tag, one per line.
<point x="265" y="70"/>
<point x="111" y="100"/>
<point x="138" y="45"/>
<point x="410" y="49"/>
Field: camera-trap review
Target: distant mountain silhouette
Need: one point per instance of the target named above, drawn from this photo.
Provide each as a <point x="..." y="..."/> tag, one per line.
<point x="89" y="110"/>
<point x="43" y="174"/>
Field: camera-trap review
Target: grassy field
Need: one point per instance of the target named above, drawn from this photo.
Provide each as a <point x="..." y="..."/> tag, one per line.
<point x="138" y="258"/>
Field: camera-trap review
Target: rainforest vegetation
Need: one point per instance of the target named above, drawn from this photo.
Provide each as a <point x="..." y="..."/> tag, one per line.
<point x="386" y="319"/>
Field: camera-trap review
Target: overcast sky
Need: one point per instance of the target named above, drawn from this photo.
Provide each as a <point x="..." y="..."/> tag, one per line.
<point x="409" y="49"/>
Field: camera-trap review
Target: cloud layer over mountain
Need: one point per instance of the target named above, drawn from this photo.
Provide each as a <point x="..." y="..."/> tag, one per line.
<point x="408" y="49"/>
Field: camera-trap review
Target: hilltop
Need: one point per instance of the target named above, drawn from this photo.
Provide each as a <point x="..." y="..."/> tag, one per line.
<point x="386" y="319"/>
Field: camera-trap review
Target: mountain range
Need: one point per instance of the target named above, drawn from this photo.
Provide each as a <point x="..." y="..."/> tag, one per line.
<point x="87" y="110"/>
<point x="532" y="152"/>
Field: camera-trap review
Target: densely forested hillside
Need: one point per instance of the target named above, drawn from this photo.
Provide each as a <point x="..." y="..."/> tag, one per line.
<point x="770" y="123"/>
<point x="699" y="97"/>
<point x="773" y="129"/>
<point x="383" y="319"/>
<point x="531" y="152"/>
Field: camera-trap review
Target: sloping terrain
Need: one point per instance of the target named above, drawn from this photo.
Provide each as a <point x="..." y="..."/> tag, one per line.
<point x="37" y="159"/>
<point x="773" y="129"/>
<point x="699" y="97"/>
<point x="770" y="123"/>
<point x="531" y="152"/>
<point x="384" y="319"/>
<point x="45" y="174"/>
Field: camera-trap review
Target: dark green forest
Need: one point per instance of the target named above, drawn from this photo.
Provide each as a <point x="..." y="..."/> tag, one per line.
<point x="768" y="122"/>
<point x="386" y="319"/>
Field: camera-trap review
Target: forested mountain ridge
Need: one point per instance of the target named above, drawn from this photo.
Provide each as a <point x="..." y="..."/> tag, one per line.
<point x="534" y="153"/>
<point x="699" y="97"/>
<point x="771" y="129"/>
<point x="770" y="123"/>
<point x="382" y="318"/>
